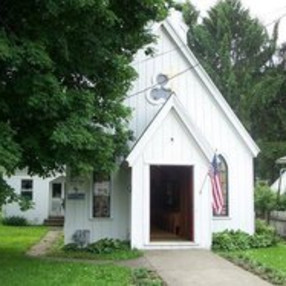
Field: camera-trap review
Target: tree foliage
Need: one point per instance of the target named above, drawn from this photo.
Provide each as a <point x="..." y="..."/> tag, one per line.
<point x="242" y="59"/>
<point x="266" y="200"/>
<point x="234" y="48"/>
<point x="64" y="74"/>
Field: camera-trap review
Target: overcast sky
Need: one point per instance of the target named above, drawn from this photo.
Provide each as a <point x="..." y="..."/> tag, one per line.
<point x="266" y="10"/>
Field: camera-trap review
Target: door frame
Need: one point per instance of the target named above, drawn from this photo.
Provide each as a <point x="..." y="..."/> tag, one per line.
<point x="147" y="204"/>
<point x="56" y="181"/>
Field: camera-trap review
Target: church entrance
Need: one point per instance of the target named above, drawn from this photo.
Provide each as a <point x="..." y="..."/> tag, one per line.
<point x="171" y="205"/>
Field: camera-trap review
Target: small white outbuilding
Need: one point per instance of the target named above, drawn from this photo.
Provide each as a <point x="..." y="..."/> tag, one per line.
<point x="45" y="194"/>
<point x="160" y="197"/>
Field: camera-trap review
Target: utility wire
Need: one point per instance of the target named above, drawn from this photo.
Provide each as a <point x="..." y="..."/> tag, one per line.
<point x="170" y="78"/>
<point x="151" y="57"/>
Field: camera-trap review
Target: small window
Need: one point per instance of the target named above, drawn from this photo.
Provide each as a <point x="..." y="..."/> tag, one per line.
<point x="101" y="199"/>
<point x="223" y="173"/>
<point x="27" y="189"/>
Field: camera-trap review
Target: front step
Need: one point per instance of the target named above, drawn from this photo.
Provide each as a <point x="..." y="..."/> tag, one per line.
<point x="54" y="221"/>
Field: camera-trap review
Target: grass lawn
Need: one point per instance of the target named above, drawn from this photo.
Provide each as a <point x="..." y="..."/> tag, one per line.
<point x="269" y="263"/>
<point x="274" y="257"/>
<point x="17" y="269"/>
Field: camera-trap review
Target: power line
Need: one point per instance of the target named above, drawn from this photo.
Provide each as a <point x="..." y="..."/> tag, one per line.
<point x="170" y="78"/>
<point x="151" y="57"/>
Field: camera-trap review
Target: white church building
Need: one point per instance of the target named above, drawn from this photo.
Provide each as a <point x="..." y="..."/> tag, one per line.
<point x="160" y="197"/>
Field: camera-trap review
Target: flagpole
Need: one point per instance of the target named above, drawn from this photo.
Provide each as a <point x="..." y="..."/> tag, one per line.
<point x="203" y="184"/>
<point x="205" y="178"/>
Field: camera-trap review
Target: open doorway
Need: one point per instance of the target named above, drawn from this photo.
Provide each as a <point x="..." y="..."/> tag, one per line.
<point x="171" y="203"/>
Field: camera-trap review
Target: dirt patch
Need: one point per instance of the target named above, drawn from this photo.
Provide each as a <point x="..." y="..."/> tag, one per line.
<point x="42" y="247"/>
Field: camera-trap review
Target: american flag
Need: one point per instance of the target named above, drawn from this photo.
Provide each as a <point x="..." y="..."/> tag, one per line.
<point x="218" y="201"/>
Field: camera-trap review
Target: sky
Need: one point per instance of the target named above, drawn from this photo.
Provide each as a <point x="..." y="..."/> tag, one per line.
<point x="267" y="11"/>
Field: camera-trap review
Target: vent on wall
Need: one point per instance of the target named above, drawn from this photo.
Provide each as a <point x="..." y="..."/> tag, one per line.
<point x="81" y="237"/>
<point x="161" y="92"/>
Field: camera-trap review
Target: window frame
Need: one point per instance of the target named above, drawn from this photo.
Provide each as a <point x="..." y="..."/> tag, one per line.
<point x="27" y="191"/>
<point x="222" y="159"/>
<point x="98" y="181"/>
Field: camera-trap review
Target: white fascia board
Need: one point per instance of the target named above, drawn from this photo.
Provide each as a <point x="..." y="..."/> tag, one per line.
<point x="150" y="129"/>
<point x="193" y="130"/>
<point x="172" y="102"/>
<point x="175" y="31"/>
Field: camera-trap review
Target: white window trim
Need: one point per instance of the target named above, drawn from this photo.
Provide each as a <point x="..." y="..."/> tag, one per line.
<point x="23" y="190"/>
<point x="91" y="217"/>
<point x="228" y="216"/>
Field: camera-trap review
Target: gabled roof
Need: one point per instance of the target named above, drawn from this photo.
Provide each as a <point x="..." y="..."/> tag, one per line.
<point x="177" y="30"/>
<point x="172" y="103"/>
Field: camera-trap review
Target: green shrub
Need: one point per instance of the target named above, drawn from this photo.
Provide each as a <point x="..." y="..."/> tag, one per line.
<point x="103" y="246"/>
<point x="15" y="221"/>
<point x="264" y="236"/>
<point x="265" y="200"/>
<point x="230" y="240"/>
<point x="107" y="245"/>
<point x="71" y="247"/>
<point x="261" y="227"/>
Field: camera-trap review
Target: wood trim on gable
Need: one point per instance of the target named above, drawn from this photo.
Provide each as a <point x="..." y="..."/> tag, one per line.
<point x="174" y="103"/>
<point x="175" y="31"/>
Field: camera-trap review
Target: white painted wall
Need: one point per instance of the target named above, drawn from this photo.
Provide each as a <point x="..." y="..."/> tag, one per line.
<point x="207" y="116"/>
<point x="40" y="211"/>
<point x="160" y="150"/>
<point x="78" y="215"/>
<point x="41" y="196"/>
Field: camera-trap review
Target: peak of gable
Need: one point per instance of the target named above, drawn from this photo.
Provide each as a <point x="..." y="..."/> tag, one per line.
<point x="176" y="59"/>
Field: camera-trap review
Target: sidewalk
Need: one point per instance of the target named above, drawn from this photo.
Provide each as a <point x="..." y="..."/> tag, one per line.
<point x="176" y="267"/>
<point x="199" y="268"/>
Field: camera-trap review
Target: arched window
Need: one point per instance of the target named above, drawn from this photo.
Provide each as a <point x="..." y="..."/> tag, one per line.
<point x="223" y="173"/>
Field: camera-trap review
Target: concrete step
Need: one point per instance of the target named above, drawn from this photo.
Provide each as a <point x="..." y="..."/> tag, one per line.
<point x="54" y="221"/>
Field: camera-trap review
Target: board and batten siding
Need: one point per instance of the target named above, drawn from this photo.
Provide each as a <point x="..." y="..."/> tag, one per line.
<point x="181" y="151"/>
<point x="206" y="114"/>
<point x="78" y="215"/>
<point x="130" y="212"/>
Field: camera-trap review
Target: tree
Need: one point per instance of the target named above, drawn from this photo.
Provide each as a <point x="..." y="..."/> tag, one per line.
<point x="268" y="117"/>
<point x="237" y="52"/>
<point x="64" y="74"/>
<point x="265" y="200"/>
<point x="234" y="48"/>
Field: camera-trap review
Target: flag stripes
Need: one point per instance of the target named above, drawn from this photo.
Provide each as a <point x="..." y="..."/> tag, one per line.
<point x="217" y="195"/>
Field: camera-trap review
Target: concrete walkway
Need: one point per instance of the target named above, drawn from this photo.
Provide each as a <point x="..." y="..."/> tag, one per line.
<point x="176" y="267"/>
<point x="42" y="247"/>
<point x="199" y="268"/>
